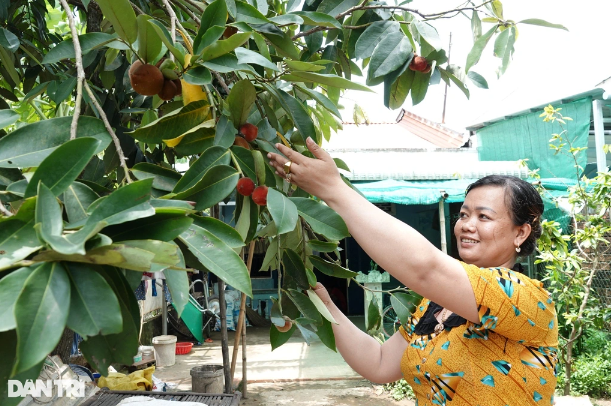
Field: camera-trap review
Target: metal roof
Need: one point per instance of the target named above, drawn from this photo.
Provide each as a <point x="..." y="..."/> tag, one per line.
<point x="435" y="133"/>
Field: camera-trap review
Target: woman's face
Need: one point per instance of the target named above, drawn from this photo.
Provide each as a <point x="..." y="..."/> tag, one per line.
<point x="486" y="234"/>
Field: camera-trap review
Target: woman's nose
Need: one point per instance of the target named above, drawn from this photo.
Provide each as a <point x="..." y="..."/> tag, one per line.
<point x="468" y="225"/>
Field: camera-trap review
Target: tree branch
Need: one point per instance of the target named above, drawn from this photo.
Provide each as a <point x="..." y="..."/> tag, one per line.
<point x="5" y="211"/>
<point x="195" y="5"/>
<point x="187" y="10"/>
<point x="80" y="71"/>
<point x="221" y="82"/>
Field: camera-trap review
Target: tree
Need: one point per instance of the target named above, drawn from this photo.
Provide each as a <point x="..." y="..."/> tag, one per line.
<point x="90" y="197"/>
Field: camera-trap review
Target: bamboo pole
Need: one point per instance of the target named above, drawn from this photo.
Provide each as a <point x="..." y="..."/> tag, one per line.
<point x="241" y="315"/>
<point x="224" y="337"/>
<point x="244" y="352"/>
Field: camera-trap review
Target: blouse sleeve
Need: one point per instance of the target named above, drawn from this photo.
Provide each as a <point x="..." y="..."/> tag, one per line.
<point x="512" y="305"/>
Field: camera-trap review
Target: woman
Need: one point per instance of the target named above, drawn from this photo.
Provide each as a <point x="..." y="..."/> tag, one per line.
<point x="484" y="334"/>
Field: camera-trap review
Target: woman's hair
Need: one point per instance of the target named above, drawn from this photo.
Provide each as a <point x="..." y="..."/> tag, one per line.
<point x="524" y="203"/>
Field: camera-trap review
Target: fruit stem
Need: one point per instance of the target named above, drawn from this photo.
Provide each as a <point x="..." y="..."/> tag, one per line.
<point x="235" y="161"/>
<point x="135" y="53"/>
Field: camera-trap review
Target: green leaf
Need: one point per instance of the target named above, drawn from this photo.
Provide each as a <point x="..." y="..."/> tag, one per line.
<point x="164" y="35"/>
<point x="477" y="79"/>
<point x="161" y="226"/>
<point x="509" y="49"/>
<point x="475" y="53"/>
<point x="17" y="240"/>
<point x="214" y="14"/>
<point x="28" y="146"/>
<point x="294" y="267"/>
<point x="221" y="47"/>
<point x="241" y="100"/>
<point x="172" y="206"/>
<point x="248" y="14"/>
<point x="373" y="35"/>
<point x="7" y="62"/>
<point x="322" y="100"/>
<point x="216" y="184"/>
<point x="497" y="9"/>
<point x="279" y="338"/>
<point x="542" y="23"/>
<point x="325" y="79"/>
<point x="63" y="165"/>
<point x="404" y="305"/>
<point x="323" y="219"/>
<point x="224" y="132"/>
<point x="457" y="76"/>
<point x="326" y="334"/>
<point x="296" y="110"/>
<point x="208" y="38"/>
<point x="304" y="66"/>
<point x="281" y="41"/>
<point x="77" y="199"/>
<point x="88" y="291"/>
<point x="500" y="45"/>
<point x="102" y="350"/>
<point x="317" y="19"/>
<point x="246" y="56"/>
<point x="324" y="247"/>
<point x="88" y="42"/>
<point x="245" y="161"/>
<point x="49" y="224"/>
<point x="321" y="307"/>
<point x="41" y="311"/>
<point x="287" y="19"/>
<point x="121" y="15"/>
<point x="475" y="24"/>
<point x="305" y="306"/>
<point x="218" y="258"/>
<point x="8" y="40"/>
<point x="178" y="284"/>
<point x="10" y="288"/>
<point x="196" y="142"/>
<point x="173" y="124"/>
<point x="213" y="156"/>
<point x="149" y="43"/>
<point x="247" y="222"/>
<point x="8" y="117"/>
<point x="331" y="269"/>
<point x="8" y="340"/>
<point x="374" y="316"/>
<point x="419" y="87"/>
<point x="335" y="7"/>
<point x="221" y="230"/>
<point x="399" y="89"/>
<point x="308" y="335"/>
<point x="199" y="75"/>
<point x="163" y="178"/>
<point x="390" y="54"/>
<point x="428" y="33"/>
<point x="282" y="210"/>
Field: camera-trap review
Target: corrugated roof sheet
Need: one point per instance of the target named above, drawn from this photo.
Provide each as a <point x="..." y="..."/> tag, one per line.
<point x="435" y="133"/>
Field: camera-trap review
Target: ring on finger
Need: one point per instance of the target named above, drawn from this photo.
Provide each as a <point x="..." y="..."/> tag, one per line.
<point x="287" y="167"/>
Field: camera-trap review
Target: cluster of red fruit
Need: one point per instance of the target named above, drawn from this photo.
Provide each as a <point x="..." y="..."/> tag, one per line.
<point x="245" y="186"/>
<point x="148" y="80"/>
<point x="420" y="64"/>
<point x="249" y="133"/>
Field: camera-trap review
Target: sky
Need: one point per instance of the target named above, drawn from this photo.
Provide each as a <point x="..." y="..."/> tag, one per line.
<point x="548" y="64"/>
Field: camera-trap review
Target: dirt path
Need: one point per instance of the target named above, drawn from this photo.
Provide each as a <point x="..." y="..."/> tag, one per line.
<point x="320" y="393"/>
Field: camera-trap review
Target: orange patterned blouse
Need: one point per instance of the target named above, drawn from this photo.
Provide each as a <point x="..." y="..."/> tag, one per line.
<point x="507" y="359"/>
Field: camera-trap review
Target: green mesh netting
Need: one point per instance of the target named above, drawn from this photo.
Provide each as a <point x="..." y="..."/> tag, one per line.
<point x="528" y="136"/>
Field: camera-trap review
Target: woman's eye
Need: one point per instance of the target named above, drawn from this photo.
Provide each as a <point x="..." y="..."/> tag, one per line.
<point x="483" y="216"/>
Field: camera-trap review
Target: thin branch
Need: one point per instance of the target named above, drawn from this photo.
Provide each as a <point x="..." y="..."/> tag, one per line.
<point x="5" y="211"/>
<point x="80" y="71"/>
<point x="195" y="5"/>
<point x="221" y="82"/>
<point x="136" y="9"/>
<point x="122" y="159"/>
<point x="187" y="10"/>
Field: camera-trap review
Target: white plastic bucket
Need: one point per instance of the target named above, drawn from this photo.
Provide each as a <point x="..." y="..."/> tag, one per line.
<point x="164" y="347"/>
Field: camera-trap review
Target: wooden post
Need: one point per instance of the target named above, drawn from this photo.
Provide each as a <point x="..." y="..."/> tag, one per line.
<point x="244" y="352"/>
<point x="224" y="336"/>
<point x="241" y="315"/>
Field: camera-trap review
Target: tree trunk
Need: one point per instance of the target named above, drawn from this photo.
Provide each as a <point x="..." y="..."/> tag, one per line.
<point x="64" y="346"/>
<point x="568" y="366"/>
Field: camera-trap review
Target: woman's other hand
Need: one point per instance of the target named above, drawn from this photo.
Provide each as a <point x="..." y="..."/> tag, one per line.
<point x="318" y="176"/>
<point x="323" y="294"/>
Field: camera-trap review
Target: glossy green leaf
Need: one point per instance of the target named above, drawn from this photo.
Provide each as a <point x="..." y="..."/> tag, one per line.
<point x="244" y="158"/>
<point x="216" y="184"/>
<point x="196" y="142"/>
<point x="199" y="75"/>
<point x="178" y="285"/>
<point x="294" y="267"/>
<point x="279" y="338"/>
<point x="297" y="112"/>
<point x="121" y="15"/>
<point x="218" y="258"/>
<point x="247" y="223"/>
<point x="8" y="340"/>
<point x="428" y="33"/>
<point x="321" y="307"/>
<point x="542" y="23"/>
<point x="397" y="91"/>
<point x="475" y="53"/>
<point x="28" y="146"/>
<point x="173" y="124"/>
<point x="324" y="247"/>
<point x="221" y="47"/>
<point x="325" y="79"/>
<point x="281" y="41"/>
<point x="7" y="117"/>
<point x="172" y="206"/>
<point x="374" y="315"/>
<point x="161" y="226"/>
<point x="326" y="334"/>
<point x="241" y="100"/>
<point x="10" y="288"/>
<point x="246" y="56"/>
<point x="390" y="54"/>
<point x="322" y="218"/>
<point x="88" y="290"/>
<point x="165" y="254"/>
<point x="322" y="100"/>
<point x="77" y="198"/>
<point x="213" y="156"/>
<point x="509" y="50"/>
<point x="17" y="240"/>
<point x="335" y="7"/>
<point x="276" y="316"/>
<point x="305" y="306"/>
<point x="287" y="19"/>
<point x="331" y="269"/>
<point x="221" y="230"/>
<point x="373" y="35"/>
<point x="88" y="42"/>
<point x="500" y="45"/>
<point x="41" y="311"/>
<point x="164" y="35"/>
<point x="419" y="87"/>
<point x="260" y="167"/>
<point x="308" y="335"/>
<point x="311" y="277"/>
<point x="102" y="350"/>
<point x="214" y="14"/>
<point x="282" y="210"/>
<point x="224" y="132"/>
<point x="8" y="40"/>
<point x="478" y="80"/>
<point x="304" y="66"/>
<point x="270" y="256"/>
<point x="457" y="76"/>
<point x="317" y="19"/>
<point x="149" y="43"/>
<point x="163" y="178"/>
<point x="247" y="13"/>
<point x="63" y="165"/>
<point x="209" y="37"/>
<point x="404" y="305"/>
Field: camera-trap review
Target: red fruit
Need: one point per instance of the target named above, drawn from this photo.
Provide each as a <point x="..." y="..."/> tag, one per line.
<point x="245" y="186"/>
<point x="239" y="141"/>
<point x="428" y="69"/>
<point x="146" y="79"/>
<point x="229" y="31"/>
<point x="177" y="83"/>
<point x="286" y="327"/>
<point x="249" y="131"/>
<point x="169" y="90"/>
<point x="259" y="195"/>
<point x="419" y="64"/>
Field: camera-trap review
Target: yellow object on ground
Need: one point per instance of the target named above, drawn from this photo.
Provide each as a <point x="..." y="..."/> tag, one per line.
<point x="139" y="380"/>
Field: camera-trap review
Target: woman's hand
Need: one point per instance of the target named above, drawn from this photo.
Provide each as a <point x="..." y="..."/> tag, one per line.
<point x="323" y="294"/>
<point x="318" y="176"/>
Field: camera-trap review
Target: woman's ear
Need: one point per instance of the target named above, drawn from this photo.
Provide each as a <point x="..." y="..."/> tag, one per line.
<point x="523" y="232"/>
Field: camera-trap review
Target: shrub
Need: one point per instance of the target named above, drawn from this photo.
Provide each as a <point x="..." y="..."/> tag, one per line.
<point x="591" y="374"/>
<point x="399" y="390"/>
